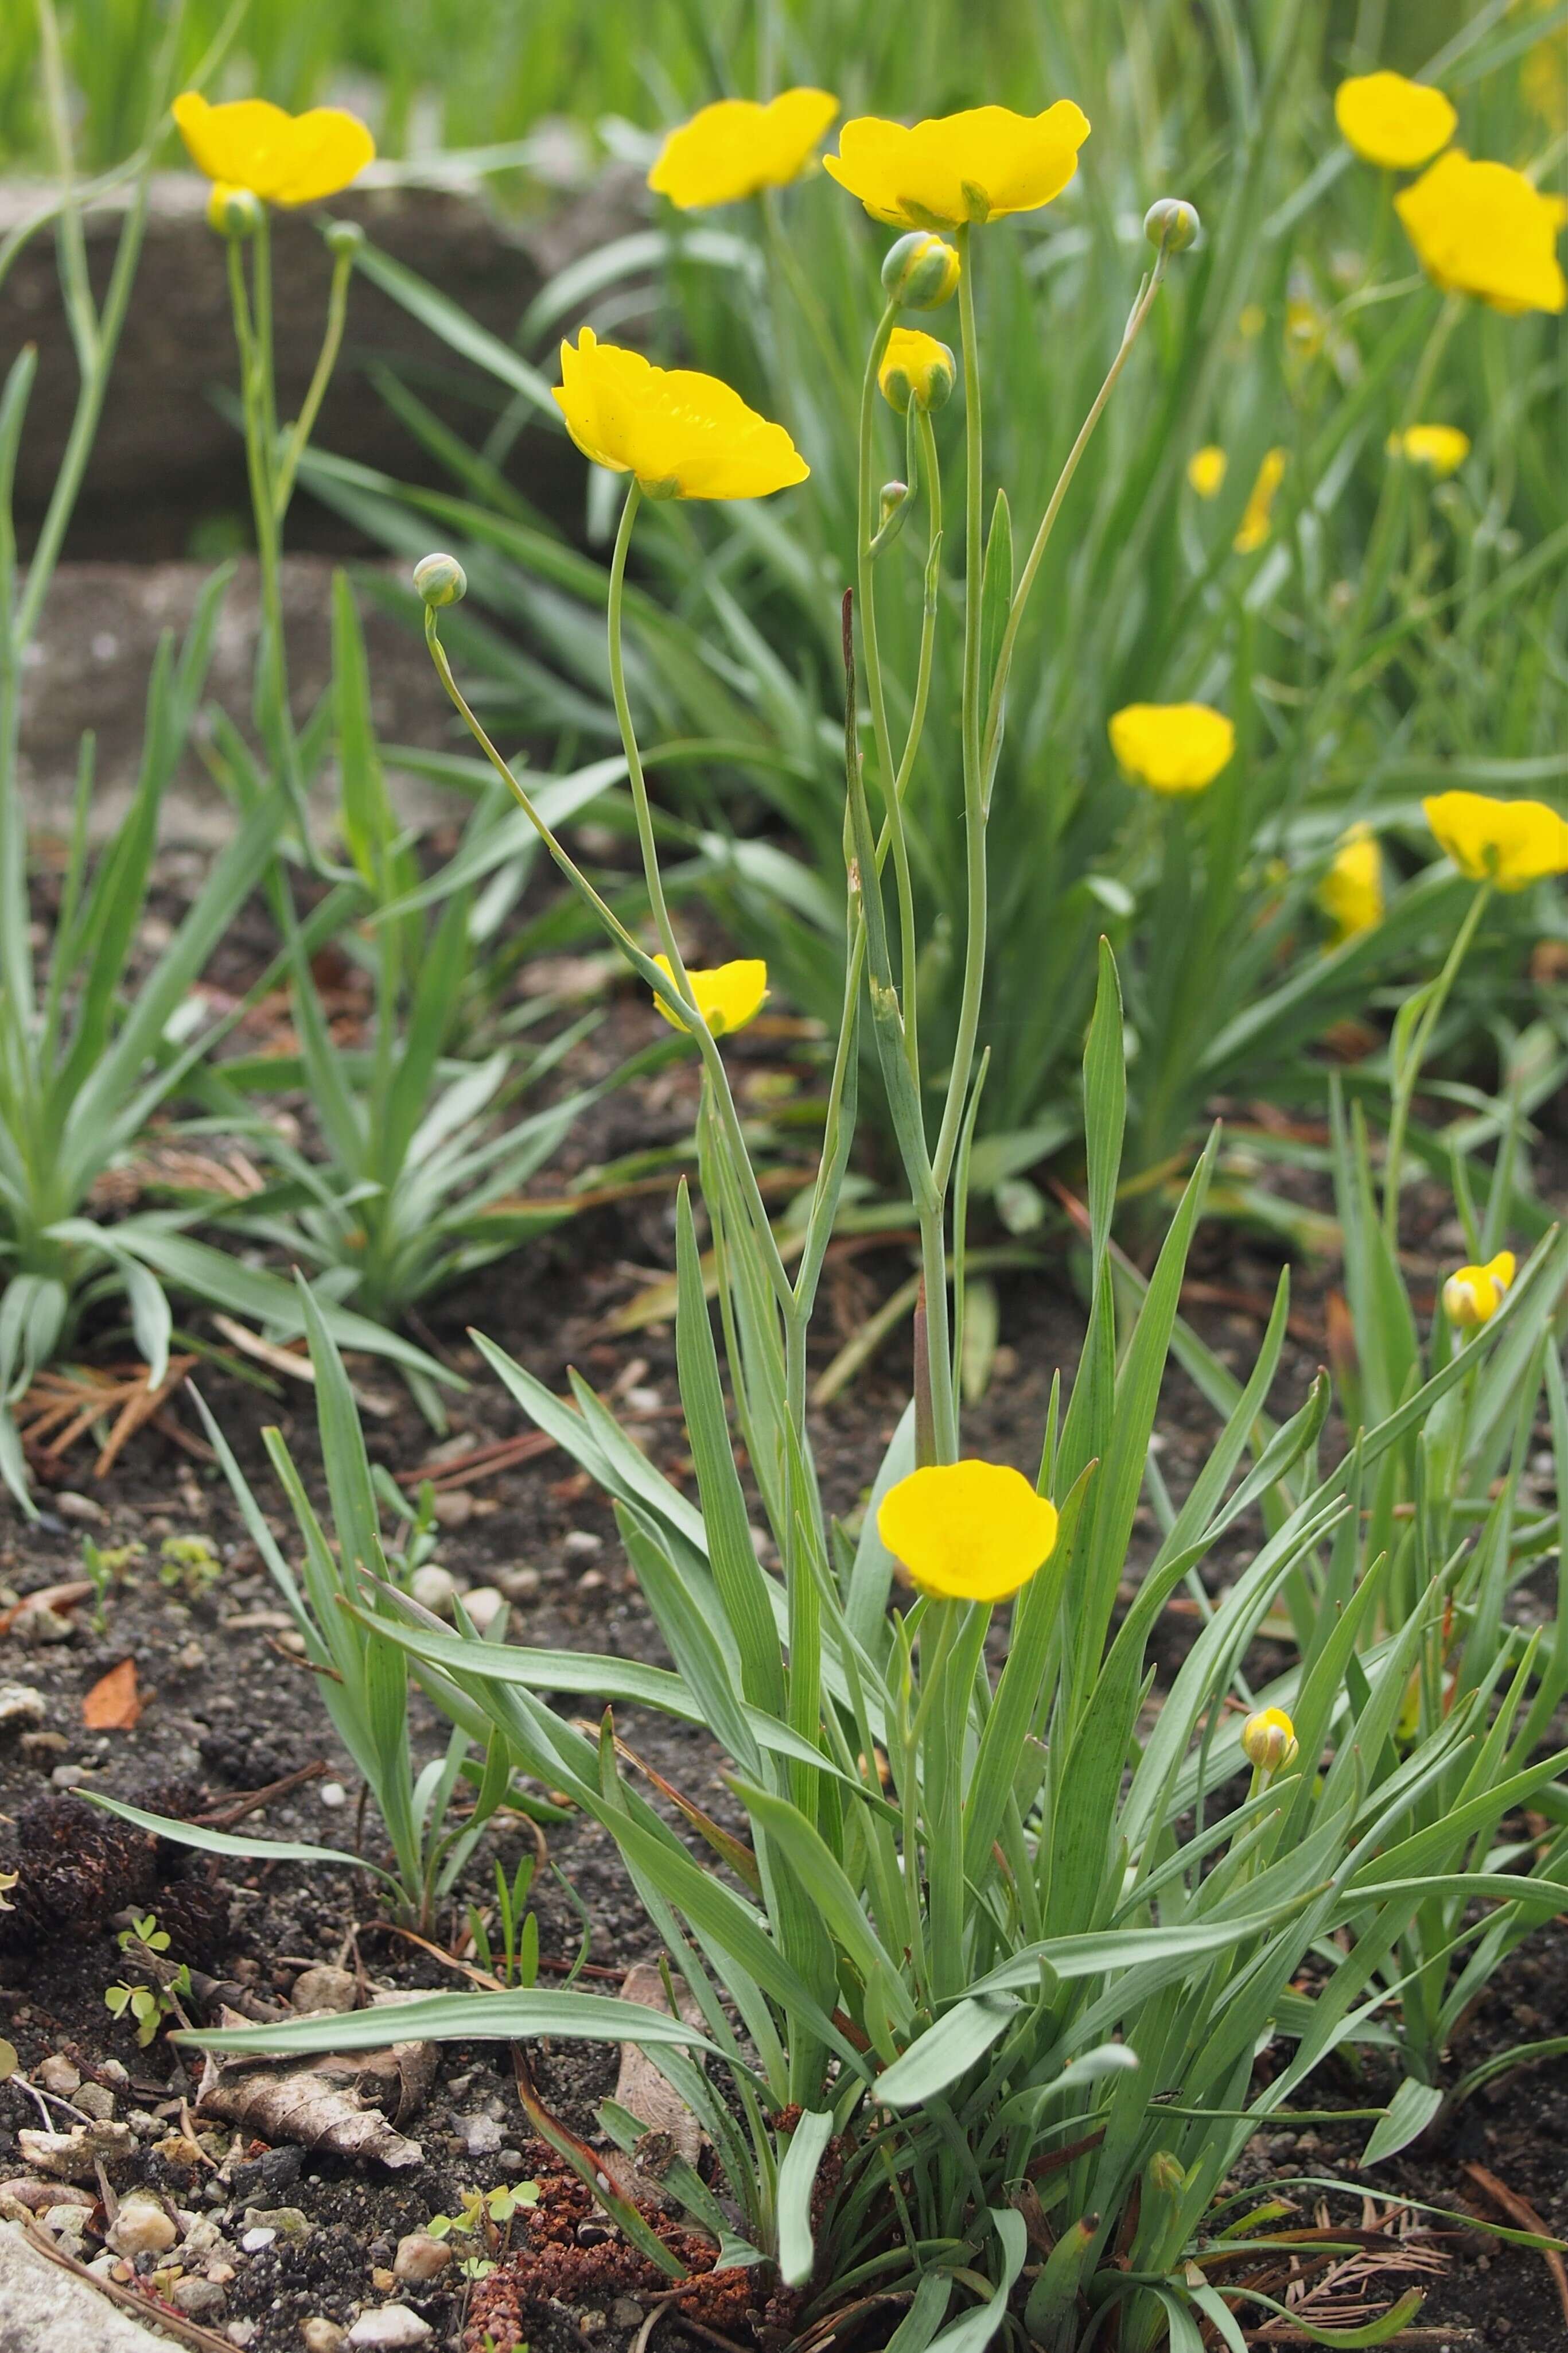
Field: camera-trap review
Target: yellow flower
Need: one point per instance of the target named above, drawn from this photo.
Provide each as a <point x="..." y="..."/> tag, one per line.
<point x="1250" y="320"/>
<point x="1390" y="120"/>
<point x="1253" y="527"/>
<point x="1441" y="448"/>
<point x="727" y="997"/>
<point x="737" y="147"/>
<point x="1206" y="469"/>
<point x="1268" y="1739"/>
<point x="1474" y="1294"/>
<point x="1350" y="892"/>
<point x="683" y="435"/>
<point x="968" y="1531"/>
<point x="975" y="166"/>
<point x="1511" y="843"/>
<point x="285" y="159"/>
<point x="1171" y="747"/>
<point x="1483" y="229"/>
<point x="916" y="371"/>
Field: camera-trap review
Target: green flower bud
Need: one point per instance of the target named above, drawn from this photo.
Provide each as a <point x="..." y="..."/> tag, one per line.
<point x="1171" y="226"/>
<point x="919" y="271"/>
<point x="343" y="237"/>
<point x="234" y="212"/>
<point x="1268" y="1740"/>
<point x="440" y="579"/>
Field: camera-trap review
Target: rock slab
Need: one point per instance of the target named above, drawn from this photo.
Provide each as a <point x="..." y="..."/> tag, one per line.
<point x="44" y="2307"/>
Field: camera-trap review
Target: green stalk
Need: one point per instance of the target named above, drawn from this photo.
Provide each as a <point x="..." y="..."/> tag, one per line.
<point x="304" y="424"/>
<point x="641" y="810"/>
<point x="1407" y="1074"/>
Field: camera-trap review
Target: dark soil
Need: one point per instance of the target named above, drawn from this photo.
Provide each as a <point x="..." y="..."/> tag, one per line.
<point x="230" y="1708"/>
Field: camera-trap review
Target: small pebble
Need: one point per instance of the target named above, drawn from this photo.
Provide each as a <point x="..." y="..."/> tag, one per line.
<point x="95" y="2100"/>
<point x="198" y="2299"/>
<point x="518" y="1584"/>
<point x="65" y="1776"/>
<point x="480" y="2134"/>
<point x="141" y="2228"/>
<point x="42" y="1626"/>
<point x="420" y="2257"/>
<point x="324" y="1988"/>
<point x="389" y="2327"/>
<point x="71" y="1507"/>
<point x="453" y="1508"/>
<point x="644" y="1400"/>
<point x="593" y="1582"/>
<point x="243" y="2332"/>
<point x="581" y="1544"/>
<point x="58" y="2075"/>
<point x="483" y="1606"/>
<point x="332" y="1795"/>
<point x="322" y="2336"/>
<point x="20" y="1704"/>
<point x="434" y="1588"/>
<point x="627" y="2312"/>
<point x="283" y="2221"/>
<point x="254" y="2241"/>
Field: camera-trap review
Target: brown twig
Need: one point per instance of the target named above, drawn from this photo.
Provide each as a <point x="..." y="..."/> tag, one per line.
<point x="1519" y="2210"/>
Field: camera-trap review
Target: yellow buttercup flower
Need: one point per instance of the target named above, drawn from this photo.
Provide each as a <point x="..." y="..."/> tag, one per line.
<point x="1268" y="1739"/>
<point x="1254" y="519"/>
<point x="1206" y="470"/>
<point x="967" y="1531"/>
<point x="285" y="159"/>
<point x="1171" y="747"/>
<point x="1440" y="449"/>
<point x="1350" y="892"/>
<point x="1483" y="229"/>
<point x="728" y="995"/>
<point x="1392" y="121"/>
<point x="978" y="165"/>
<point x="737" y="147"/>
<point x="683" y="435"/>
<point x="1511" y="843"/>
<point x="916" y="372"/>
<point x="1473" y="1294"/>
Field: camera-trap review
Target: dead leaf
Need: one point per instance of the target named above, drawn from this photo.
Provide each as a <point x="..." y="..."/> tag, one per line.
<point x="639" y="2086"/>
<point x="320" y="2104"/>
<point x="114" y="1704"/>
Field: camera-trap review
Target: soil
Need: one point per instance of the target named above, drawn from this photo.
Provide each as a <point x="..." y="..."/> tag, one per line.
<point x="226" y="1706"/>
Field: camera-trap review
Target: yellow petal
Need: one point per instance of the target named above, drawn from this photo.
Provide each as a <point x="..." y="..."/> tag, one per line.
<point x="1511" y="843"/>
<point x="1472" y="1294"/>
<point x="978" y="165"/>
<point x="1171" y="747"/>
<point x="1206" y="470"/>
<point x="1440" y="449"/>
<point x="1350" y="892"/>
<point x="679" y="432"/>
<point x="736" y="147"/>
<point x="969" y="1531"/>
<point x="1483" y="229"/>
<point x="727" y="995"/>
<point x="1392" y="121"/>
<point x="1255" y="519"/>
<point x="285" y="159"/>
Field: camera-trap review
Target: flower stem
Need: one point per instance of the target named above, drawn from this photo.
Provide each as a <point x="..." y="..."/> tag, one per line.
<point x="1407" y="1070"/>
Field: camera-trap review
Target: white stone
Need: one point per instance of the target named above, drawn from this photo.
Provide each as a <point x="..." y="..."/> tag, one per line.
<point x="480" y="2134"/>
<point x="324" y="1988"/>
<point x="420" y="2257"/>
<point x="58" y="2075"/>
<point x="581" y="1544"/>
<point x="21" y="1705"/>
<point x="483" y="1605"/>
<point x="321" y="2334"/>
<point x="389" y="2327"/>
<point x="332" y="1795"/>
<point x="141" y="2228"/>
<point x="254" y="2241"/>
<point x="434" y="1588"/>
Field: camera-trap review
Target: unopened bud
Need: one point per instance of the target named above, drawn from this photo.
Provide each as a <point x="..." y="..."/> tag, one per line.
<point x="920" y="273"/>
<point x="1171" y="225"/>
<point x="890" y="499"/>
<point x="1473" y="1296"/>
<point x="1167" y="2174"/>
<point x="1268" y="1739"/>
<point x="440" y="579"/>
<point x="344" y="238"/>
<point x="917" y="372"/>
<point x="233" y="212"/>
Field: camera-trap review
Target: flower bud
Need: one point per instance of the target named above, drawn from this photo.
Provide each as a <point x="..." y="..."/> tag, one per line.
<point x="1167" y="2174"/>
<point x="1473" y="1294"/>
<point x="919" y="271"/>
<point x="890" y="499"/>
<point x="343" y="237"/>
<point x="917" y="371"/>
<point x="233" y="212"/>
<point x="440" y="579"/>
<point x="1171" y="226"/>
<point x="1268" y="1739"/>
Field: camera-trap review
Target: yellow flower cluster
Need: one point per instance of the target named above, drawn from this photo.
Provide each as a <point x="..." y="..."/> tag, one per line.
<point x="1171" y="747"/>
<point x="737" y="148"/>
<point x="681" y="434"/>
<point x="1508" y="843"/>
<point x="1472" y="1295"/>
<point x="968" y="1531"/>
<point x="284" y="159"/>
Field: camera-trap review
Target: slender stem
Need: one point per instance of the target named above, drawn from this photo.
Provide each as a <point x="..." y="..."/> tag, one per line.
<point x="998" y="701"/>
<point x="973" y="799"/>
<point x="932" y="473"/>
<point x="640" y="806"/>
<point x="1407" y="1076"/>
<point x="304" y="424"/>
